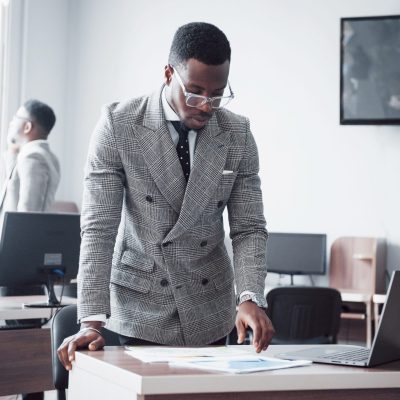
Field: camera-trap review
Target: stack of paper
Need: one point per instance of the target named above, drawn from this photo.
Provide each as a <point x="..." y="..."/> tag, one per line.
<point x="241" y="364"/>
<point x="169" y="354"/>
<point x="225" y="359"/>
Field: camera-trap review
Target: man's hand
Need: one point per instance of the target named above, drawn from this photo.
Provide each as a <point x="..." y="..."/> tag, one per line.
<point x="83" y="339"/>
<point x="250" y="315"/>
<point x="12" y="146"/>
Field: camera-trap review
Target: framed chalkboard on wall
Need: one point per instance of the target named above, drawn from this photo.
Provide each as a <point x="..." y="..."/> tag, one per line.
<point x="370" y="70"/>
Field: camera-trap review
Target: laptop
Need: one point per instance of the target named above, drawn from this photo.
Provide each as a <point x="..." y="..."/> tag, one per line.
<point x="385" y="347"/>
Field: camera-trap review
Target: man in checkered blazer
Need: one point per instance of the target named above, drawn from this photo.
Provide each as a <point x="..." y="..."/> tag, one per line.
<point x="153" y="263"/>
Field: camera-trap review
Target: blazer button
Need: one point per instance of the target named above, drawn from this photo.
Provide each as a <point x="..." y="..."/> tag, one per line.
<point x="149" y="199"/>
<point x="204" y="281"/>
<point x="203" y="243"/>
<point x="164" y="282"/>
<point x="166" y="244"/>
<point x="220" y="204"/>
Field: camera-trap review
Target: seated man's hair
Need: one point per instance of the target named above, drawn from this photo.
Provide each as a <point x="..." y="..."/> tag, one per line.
<point x="41" y="113"/>
<point x="201" y="41"/>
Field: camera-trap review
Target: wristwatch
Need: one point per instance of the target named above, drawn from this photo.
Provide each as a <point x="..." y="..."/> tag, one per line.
<point x="258" y="300"/>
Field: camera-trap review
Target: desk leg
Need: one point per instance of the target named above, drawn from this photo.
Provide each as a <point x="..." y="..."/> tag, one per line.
<point x="368" y="321"/>
<point x="376" y="316"/>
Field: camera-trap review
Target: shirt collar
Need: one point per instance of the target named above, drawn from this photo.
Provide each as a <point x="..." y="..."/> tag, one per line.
<point x="170" y="114"/>
<point x="33" y="143"/>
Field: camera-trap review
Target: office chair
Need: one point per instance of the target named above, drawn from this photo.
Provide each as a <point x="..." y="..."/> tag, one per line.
<point x="65" y="324"/>
<point x="304" y="315"/>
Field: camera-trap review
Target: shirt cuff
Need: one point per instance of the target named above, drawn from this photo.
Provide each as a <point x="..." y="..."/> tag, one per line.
<point x="257" y="299"/>
<point x="98" y="317"/>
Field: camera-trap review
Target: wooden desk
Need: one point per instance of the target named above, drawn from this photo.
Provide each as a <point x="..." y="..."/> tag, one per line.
<point x="25" y="353"/>
<point x="113" y="374"/>
<point x="11" y="307"/>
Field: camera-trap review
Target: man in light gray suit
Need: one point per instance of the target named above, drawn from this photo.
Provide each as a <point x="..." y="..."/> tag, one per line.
<point x="33" y="171"/>
<point x="161" y="169"/>
<point x="33" y="175"/>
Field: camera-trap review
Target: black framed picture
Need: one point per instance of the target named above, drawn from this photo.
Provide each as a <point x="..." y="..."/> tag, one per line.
<point x="370" y="70"/>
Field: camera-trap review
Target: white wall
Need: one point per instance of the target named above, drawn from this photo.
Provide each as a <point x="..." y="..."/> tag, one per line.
<point x="39" y="36"/>
<point x="317" y="176"/>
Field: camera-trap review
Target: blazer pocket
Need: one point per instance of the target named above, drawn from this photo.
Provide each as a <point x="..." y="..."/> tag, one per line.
<point x="130" y="280"/>
<point x="134" y="260"/>
<point x="228" y="179"/>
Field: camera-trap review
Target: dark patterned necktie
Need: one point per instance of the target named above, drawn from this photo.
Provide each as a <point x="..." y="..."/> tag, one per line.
<point x="182" y="147"/>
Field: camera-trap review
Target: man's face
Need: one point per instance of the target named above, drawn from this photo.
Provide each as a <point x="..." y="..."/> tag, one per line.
<point x="18" y="127"/>
<point x="198" y="78"/>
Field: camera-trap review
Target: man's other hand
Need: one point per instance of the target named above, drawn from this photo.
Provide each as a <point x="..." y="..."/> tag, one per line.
<point x="251" y="316"/>
<point x="85" y="338"/>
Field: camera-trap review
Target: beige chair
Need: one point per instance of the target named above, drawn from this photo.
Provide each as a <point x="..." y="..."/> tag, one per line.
<point x="357" y="264"/>
<point x="357" y="270"/>
<point x="64" y="207"/>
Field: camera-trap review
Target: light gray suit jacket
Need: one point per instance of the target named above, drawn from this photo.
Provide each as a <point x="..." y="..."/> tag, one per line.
<point x="152" y="254"/>
<point x="33" y="178"/>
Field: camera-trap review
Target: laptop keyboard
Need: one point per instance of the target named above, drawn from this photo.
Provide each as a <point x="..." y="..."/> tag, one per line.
<point x="361" y="354"/>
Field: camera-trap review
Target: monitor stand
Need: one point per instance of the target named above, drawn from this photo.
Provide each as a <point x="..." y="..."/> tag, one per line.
<point x="52" y="301"/>
<point x="310" y="276"/>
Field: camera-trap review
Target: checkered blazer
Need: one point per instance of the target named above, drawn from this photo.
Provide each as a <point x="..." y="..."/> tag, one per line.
<point x="152" y="256"/>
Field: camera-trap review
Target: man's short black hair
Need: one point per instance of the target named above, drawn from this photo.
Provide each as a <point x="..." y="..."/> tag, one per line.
<point x="41" y="113"/>
<point x="201" y="41"/>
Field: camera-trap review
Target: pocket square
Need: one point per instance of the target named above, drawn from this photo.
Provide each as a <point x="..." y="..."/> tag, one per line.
<point x="226" y="172"/>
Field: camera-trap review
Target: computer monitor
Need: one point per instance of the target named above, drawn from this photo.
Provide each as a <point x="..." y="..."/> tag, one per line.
<point x="39" y="249"/>
<point x="296" y="253"/>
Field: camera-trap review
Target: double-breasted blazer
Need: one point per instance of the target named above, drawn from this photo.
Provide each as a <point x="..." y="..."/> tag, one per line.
<point x="152" y="256"/>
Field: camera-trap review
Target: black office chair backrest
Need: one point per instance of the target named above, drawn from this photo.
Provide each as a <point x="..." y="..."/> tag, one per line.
<point x="65" y="324"/>
<point x="304" y="314"/>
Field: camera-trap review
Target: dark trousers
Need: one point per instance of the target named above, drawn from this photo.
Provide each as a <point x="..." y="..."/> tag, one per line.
<point x="129" y="341"/>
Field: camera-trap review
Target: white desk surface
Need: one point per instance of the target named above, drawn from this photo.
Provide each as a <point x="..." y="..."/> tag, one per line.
<point x="357" y="297"/>
<point x="114" y="367"/>
<point x="11" y="307"/>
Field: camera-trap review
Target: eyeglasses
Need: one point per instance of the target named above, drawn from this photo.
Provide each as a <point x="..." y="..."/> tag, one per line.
<point x="196" y="100"/>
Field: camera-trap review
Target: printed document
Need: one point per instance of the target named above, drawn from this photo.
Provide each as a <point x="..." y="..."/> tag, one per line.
<point x="167" y="354"/>
<point x="241" y="364"/>
<point x="218" y="358"/>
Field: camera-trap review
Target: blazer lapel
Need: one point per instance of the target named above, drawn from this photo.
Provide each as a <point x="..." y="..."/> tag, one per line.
<point x="209" y="160"/>
<point x="5" y="185"/>
<point x="160" y="154"/>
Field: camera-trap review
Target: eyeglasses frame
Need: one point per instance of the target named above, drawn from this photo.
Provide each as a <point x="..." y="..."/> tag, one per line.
<point x="205" y="99"/>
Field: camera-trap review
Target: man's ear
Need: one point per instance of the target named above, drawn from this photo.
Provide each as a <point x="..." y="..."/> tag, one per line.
<point x="168" y="72"/>
<point x="28" y="127"/>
